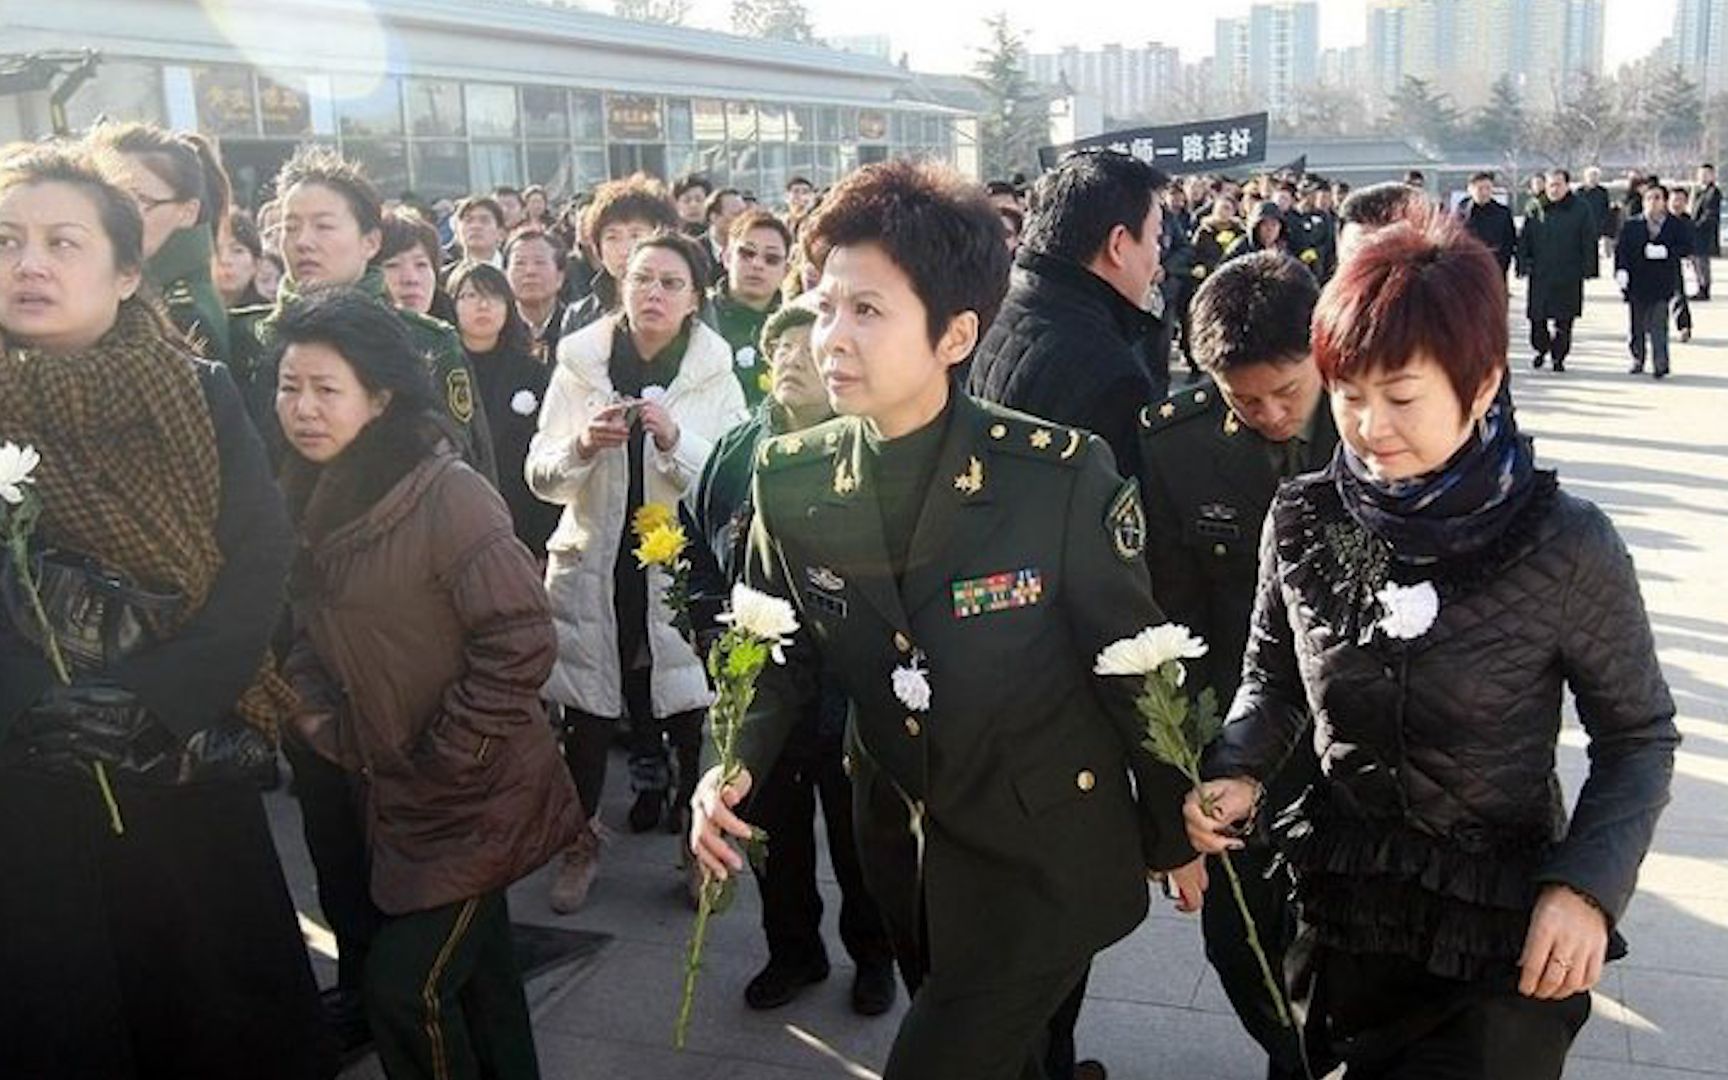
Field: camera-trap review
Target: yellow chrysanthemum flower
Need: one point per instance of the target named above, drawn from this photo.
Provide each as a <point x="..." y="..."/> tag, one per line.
<point x="661" y="546"/>
<point x="652" y="516"/>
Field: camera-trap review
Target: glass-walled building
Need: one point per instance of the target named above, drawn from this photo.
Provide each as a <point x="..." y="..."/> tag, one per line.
<point x="748" y="114"/>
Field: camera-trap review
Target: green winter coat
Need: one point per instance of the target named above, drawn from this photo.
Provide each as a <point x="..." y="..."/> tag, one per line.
<point x="180" y="274"/>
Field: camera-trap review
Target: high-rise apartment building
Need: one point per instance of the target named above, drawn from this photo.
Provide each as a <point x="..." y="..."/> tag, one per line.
<point x="1269" y="55"/>
<point x="1699" y="46"/>
<point x="1129" y="82"/>
<point x="1462" y="47"/>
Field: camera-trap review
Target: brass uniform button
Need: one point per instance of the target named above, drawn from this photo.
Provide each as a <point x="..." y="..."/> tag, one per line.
<point x="901" y="642"/>
<point x="1085" y="781"/>
<point x="913" y="727"/>
<point x="1220" y="550"/>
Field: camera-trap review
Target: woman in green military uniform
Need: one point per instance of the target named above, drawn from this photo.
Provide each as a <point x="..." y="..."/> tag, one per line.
<point x="183" y="193"/>
<point x="957" y="567"/>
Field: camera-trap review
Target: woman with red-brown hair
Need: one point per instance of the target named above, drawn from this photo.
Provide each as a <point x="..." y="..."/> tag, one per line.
<point x="1425" y="599"/>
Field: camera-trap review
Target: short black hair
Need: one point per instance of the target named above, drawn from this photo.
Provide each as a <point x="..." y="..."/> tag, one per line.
<point x="939" y="229"/>
<point x="1002" y="187"/>
<point x="715" y="198"/>
<point x="313" y="164"/>
<point x="404" y="229"/>
<point x="1253" y="310"/>
<point x="372" y="338"/>
<point x="1656" y="186"/>
<point x="1485" y="174"/>
<point x="530" y="233"/>
<point x="692" y="182"/>
<point x="1561" y="173"/>
<point x="1076" y="205"/>
<point x="1414" y="177"/>
<point x="694" y="254"/>
<point x="515" y="337"/>
<point x="796" y="180"/>
<point x="481" y="202"/>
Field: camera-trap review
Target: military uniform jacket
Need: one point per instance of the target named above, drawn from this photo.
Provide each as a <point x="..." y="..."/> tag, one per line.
<point x="180" y="274"/>
<point x="1009" y="799"/>
<point x="1207" y="484"/>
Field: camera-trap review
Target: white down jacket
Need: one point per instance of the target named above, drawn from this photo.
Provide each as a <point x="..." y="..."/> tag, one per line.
<point x="705" y="400"/>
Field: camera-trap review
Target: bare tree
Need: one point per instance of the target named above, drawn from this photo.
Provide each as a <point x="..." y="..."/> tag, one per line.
<point x="776" y="20"/>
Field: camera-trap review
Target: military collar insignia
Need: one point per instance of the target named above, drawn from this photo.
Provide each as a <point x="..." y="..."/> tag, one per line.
<point x="845" y="481"/>
<point x="1231" y="424"/>
<point x="1167" y="410"/>
<point x="1040" y="439"/>
<point x="971" y="482"/>
<point x="1075" y="441"/>
<point x="791" y="444"/>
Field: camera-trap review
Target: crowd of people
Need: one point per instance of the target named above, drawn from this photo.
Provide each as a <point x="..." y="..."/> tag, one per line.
<point x="360" y="482"/>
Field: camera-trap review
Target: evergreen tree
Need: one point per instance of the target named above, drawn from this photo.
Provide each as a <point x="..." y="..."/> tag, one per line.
<point x="775" y="20"/>
<point x="1016" y="120"/>
<point x="666" y="12"/>
<point x="1501" y="125"/>
<point x="1677" y="114"/>
<point x="1415" y="109"/>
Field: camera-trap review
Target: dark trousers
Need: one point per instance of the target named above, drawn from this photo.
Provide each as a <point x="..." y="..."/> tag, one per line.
<point x="1555" y="342"/>
<point x="993" y="1031"/>
<point x="785" y="806"/>
<point x="1649" y="334"/>
<point x="587" y="738"/>
<point x="1701" y="267"/>
<point x="1266" y="886"/>
<point x="336" y="840"/>
<point x="444" y="997"/>
<point x="1391" y="1020"/>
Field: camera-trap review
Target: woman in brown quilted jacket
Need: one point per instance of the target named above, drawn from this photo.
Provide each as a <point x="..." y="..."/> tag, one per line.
<point x="422" y="640"/>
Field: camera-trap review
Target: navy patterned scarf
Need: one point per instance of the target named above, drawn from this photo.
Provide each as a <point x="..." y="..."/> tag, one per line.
<point x="1459" y="508"/>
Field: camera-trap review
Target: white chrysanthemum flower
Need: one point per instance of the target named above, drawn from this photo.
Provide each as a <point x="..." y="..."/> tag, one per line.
<point x="1149" y="650"/>
<point x="16" y="465"/>
<point x="653" y="393"/>
<point x="912" y="687"/>
<point x="762" y="616"/>
<point x="524" y="402"/>
<point x="1410" y="610"/>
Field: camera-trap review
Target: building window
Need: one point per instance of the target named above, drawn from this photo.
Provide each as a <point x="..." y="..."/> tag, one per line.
<point x="548" y="165"/>
<point x="491" y="111"/>
<point x="133" y="91"/>
<point x="588" y="166"/>
<point x="680" y="127"/>
<point x="586" y="111"/>
<point x="385" y="162"/>
<point x="493" y="165"/>
<point x="367" y="107"/>
<point x="435" y="108"/>
<point x="709" y="123"/>
<point x="440" y="169"/>
<point x="545" y="112"/>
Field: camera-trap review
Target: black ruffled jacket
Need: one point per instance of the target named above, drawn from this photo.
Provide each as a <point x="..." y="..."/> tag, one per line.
<point x="1438" y="816"/>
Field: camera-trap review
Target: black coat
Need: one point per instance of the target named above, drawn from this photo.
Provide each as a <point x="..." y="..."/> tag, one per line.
<point x="1707" y="216"/>
<point x="1601" y="209"/>
<point x="1650" y="276"/>
<point x="512" y="389"/>
<point x="1557" y="251"/>
<point x="1065" y="347"/>
<point x="1492" y="224"/>
<point x="1439" y="816"/>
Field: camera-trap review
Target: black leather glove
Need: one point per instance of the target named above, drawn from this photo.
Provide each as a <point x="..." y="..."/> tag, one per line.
<point x="230" y="752"/>
<point x="73" y="727"/>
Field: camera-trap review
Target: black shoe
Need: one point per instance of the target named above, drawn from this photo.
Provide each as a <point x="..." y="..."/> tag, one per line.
<point x="873" y="988"/>
<point x="778" y="984"/>
<point x="1090" y="1069"/>
<point x="645" y="812"/>
<point x="1663" y="374"/>
<point x="1538" y="360"/>
<point x="1559" y="366"/>
<point x="1635" y="369"/>
<point x="1701" y="297"/>
<point x="345" y="1015"/>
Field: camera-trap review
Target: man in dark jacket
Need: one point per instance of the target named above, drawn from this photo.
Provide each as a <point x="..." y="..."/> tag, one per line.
<point x="1646" y="267"/>
<point x="1214" y="456"/>
<point x="1065" y="346"/>
<point x="1489" y="221"/>
<point x="1556" y="251"/>
<point x="1595" y="196"/>
<point x="1707" y="219"/>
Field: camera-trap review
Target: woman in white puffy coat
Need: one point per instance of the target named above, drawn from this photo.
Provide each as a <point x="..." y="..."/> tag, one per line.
<point x="634" y="407"/>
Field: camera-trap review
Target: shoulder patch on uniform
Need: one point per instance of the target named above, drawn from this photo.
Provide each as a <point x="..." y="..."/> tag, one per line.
<point x="459" y="395"/>
<point x="1028" y="436"/>
<point x="1199" y="400"/>
<point x="1125" y="521"/>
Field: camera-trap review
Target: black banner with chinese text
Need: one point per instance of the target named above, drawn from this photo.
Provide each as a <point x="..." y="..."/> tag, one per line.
<point x="1200" y="146"/>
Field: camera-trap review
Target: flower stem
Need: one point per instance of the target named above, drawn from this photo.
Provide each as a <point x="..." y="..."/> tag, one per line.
<point x="1254" y="945"/>
<point x="693" y="962"/>
<point x="52" y="646"/>
<point x="114" y="821"/>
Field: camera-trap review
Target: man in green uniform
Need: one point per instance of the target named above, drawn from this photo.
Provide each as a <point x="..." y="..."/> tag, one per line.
<point x="740" y="304"/>
<point x="1213" y="457"/>
<point x="957" y="568"/>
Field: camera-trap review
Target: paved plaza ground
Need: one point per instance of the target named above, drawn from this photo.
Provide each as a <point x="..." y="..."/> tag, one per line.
<point x="1654" y="455"/>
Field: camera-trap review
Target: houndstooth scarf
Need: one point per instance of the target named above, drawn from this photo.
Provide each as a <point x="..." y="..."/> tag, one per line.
<point x="129" y="472"/>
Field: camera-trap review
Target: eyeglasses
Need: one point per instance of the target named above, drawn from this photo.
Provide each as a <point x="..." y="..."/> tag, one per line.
<point x="770" y="259"/>
<point x="468" y="296"/>
<point x="668" y="283"/>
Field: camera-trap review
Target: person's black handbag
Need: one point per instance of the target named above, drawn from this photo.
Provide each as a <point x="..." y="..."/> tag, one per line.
<point x="99" y="619"/>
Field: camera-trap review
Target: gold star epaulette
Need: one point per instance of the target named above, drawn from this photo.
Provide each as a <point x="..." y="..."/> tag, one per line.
<point x="1028" y="436"/>
<point x="1195" y="401"/>
<point x="801" y="447"/>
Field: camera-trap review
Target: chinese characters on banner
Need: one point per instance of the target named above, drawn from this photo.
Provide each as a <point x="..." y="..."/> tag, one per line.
<point x="1201" y="146"/>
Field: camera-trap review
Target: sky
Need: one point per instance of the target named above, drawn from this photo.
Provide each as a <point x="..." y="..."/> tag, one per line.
<point x="940" y="35"/>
